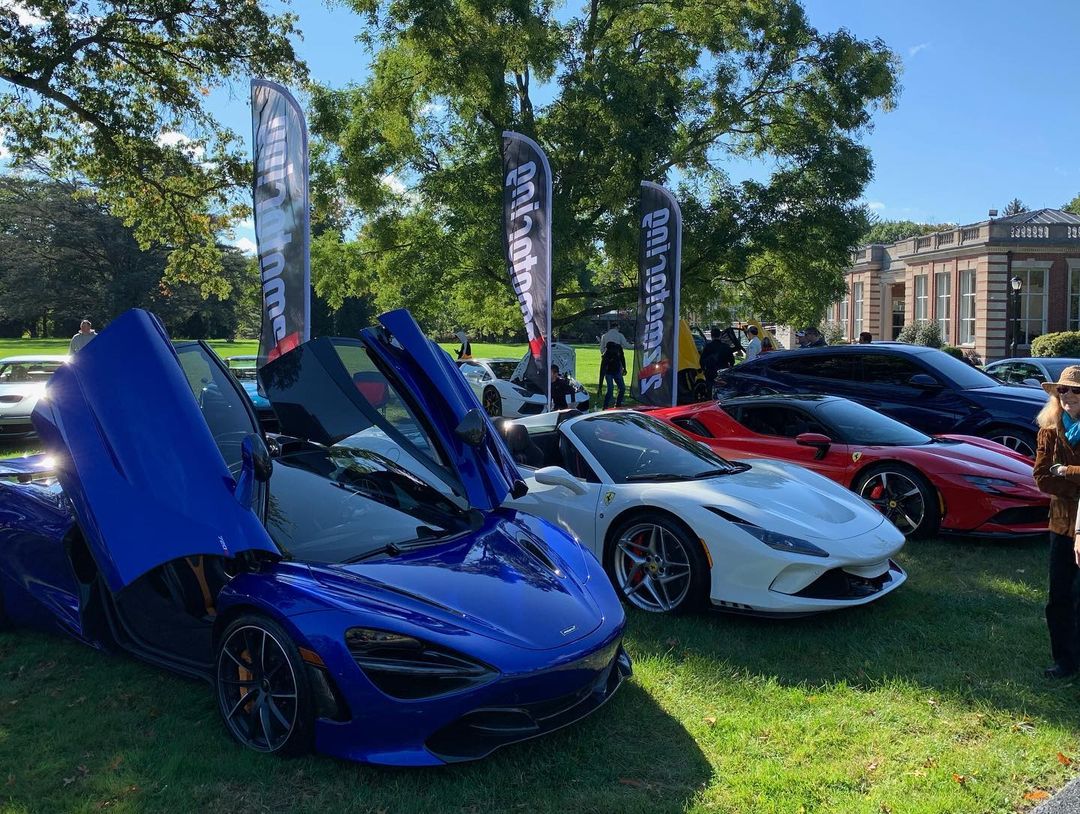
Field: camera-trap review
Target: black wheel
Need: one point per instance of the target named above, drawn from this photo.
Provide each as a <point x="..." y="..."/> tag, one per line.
<point x="657" y="564"/>
<point x="263" y="689"/>
<point x="492" y="402"/>
<point x="904" y="496"/>
<point x="1021" y="441"/>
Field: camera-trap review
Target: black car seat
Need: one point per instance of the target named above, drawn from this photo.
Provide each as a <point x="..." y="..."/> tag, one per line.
<point x="521" y="446"/>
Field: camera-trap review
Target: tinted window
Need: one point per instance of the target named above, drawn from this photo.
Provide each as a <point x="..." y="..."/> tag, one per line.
<point x="503" y="370"/>
<point x="632" y="447"/>
<point x="853" y="423"/>
<point x="16" y="372"/>
<point x="960" y="373"/>
<point x="468" y="369"/>
<point x="223" y="404"/>
<point x="332" y="505"/>
<point x="822" y="366"/>
<point x="780" y="420"/>
<point x="888" y="369"/>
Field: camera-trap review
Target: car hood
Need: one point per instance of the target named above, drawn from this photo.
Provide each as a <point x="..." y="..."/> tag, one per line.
<point x="1023" y="400"/>
<point x="503" y="579"/>
<point x="976" y="456"/>
<point x="136" y="458"/>
<point x="787" y="498"/>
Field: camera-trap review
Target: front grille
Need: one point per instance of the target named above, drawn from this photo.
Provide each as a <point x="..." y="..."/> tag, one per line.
<point x="1022" y="516"/>
<point x="839" y="584"/>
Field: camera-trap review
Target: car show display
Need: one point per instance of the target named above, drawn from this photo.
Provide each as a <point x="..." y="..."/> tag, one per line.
<point x="954" y="483"/>
<point x="335" y="599"/>
<point x="677" y="527"/>
<point x="503" y="390"/>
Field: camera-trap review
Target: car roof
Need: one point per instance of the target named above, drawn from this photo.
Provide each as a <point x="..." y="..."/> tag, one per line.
<point x="1068" y="360"/>
<point x="814" y="398"/>
<point x="23" y="359"/>
<point x="827" y="350"/>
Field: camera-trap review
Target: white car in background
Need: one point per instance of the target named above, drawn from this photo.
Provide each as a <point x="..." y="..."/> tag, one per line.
<point x="677" y="527"/>
<point x="22" y="382"/>
<point x="499" y="384"/>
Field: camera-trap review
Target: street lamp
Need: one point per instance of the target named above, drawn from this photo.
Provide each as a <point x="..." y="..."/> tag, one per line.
<point x="1016" y="285"/>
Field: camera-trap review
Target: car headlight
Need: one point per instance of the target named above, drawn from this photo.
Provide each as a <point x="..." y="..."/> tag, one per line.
<point x="521" y="391"/>
<point x="409" y="668"/>
<point x="783" y="542"/>
<point x="990" y="485"/>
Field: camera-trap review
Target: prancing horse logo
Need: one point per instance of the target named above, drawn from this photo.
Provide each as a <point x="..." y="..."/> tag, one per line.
<point x="855" y="457"/>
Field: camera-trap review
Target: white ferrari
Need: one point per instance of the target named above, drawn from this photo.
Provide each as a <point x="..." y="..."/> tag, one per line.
<point x="500" y="386"/>
<point x="677" y="527"/>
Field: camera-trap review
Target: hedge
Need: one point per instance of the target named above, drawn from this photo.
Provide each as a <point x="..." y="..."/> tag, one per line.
<point x="1063" y="343"/>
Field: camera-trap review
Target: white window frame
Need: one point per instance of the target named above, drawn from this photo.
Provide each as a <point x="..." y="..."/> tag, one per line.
<point x="857" y="296"/>
<point x="968" y="283"/>
<point x="1073" y="264"/>
<point x="843" y="308"/>
<point x="922" y="298"/>
<point x="1024" y="270"/>
<point x="943" y="316"/>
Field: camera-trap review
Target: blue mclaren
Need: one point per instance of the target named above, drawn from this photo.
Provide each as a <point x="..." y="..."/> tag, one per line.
<point x="350" y="585"/>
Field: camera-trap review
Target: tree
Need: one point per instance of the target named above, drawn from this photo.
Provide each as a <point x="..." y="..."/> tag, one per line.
<point x="1015" y="207"/>
<point x="891" y="231"/>
<point x="1073" y="206"/>
<point x="617" y="93"/>
<point x="112" y="91"/>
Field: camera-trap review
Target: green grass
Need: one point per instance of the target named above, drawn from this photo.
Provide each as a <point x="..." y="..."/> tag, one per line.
<point x="928" y="701"/>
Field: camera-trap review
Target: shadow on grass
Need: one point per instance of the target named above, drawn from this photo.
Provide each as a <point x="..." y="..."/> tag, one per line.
<point x="83" y="730"/>
<point x="969" y="622"/>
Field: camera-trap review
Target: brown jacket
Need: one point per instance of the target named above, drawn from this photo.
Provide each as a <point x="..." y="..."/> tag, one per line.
<point x="1064" y="491"/>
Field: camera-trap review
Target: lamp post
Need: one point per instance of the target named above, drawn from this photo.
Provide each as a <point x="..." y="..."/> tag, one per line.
<point x="1016" y="285"/>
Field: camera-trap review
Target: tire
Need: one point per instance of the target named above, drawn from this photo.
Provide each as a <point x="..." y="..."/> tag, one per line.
<point x="255" y="656"/>
<point x="903" y="495"/>
<point x="1022" y="441"/>
<point x="657" y="565"/>
<point x="492" y="402"/>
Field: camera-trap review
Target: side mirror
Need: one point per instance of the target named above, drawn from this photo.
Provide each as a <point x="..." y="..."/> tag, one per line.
<point x="923" y="381"/>
<point x="473" y="428"/>
<point x="557" y="476"/>
<point x="256" y="466"/>
<point x="816" y="440"/>
<point x="1029" y="382"/>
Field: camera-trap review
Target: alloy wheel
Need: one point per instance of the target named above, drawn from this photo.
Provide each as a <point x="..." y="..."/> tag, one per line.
<point x="492" y="402"/>
<point x="652" y="567"/>
<point x="1016" y="444"/>
<point x="898" y="497"/>
<point x="257" y="689"/>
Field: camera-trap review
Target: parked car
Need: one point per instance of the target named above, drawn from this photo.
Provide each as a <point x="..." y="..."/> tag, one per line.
<point x="921" y="483"/>
<point x="22" y="381"/>
<point x="677" y="527"/>
<point x="334" y="599"/>
<point x="1029" y="371"/>
<point x="502" y="390"/>
<point x="245" y="368"/>
<point x="923" y="387"/>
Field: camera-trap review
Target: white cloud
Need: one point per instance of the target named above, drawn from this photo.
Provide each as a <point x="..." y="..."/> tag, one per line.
<point x="22" y="13"/>
<point x="394" y="183"/>
<point x="913" y="50"/>
<point x="244" y="244"/>
<point x="172" y="138"/>
<point x="247" y="223"/>
<point x="875" y="206"/>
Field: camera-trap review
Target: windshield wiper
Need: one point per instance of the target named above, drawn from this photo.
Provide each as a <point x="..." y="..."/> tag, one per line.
<point x="656" y="476"/>
<point x="425" y="536"/>
<point x="730" y="470"/>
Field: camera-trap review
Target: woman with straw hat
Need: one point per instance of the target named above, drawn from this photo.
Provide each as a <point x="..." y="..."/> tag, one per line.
<point x="1057" y="473"/>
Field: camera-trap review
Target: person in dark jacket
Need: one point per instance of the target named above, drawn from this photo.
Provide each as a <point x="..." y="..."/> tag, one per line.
<point x="562" y="392"/>
<point x="717" y="355"/>
<point x="1057" y="473"/>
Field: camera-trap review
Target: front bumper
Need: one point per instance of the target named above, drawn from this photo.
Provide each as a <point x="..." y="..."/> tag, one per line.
<point x="13" y="428"/>
<point x="970" y="510"/>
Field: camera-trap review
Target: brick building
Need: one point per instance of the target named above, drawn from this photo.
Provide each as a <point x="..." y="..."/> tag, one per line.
<point x="959" y="278"/>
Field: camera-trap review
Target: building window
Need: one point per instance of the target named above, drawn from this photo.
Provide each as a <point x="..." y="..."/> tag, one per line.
<point x="921" y="298"/>
<point x="1074" y="297"/>
<point x="1032" y="304"/>
<point x="967" y="307"/>
<point x="843" y="320"/>
<point x="857" y="293"/>
<point x="943" y="292"/>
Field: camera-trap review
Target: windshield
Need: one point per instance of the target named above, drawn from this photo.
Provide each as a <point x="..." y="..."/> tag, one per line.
<point x="1055" y="367"/>
<point x="331" y="505"/>
<point x="15" y="372"/>
<point x="633" y="447"/>
<point x="853" y="423"/>
<point x="503" y="370"/>
<point x="962" y="374"/>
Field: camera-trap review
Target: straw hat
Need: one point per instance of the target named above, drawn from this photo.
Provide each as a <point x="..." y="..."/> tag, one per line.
<point x="1070" y="377"/>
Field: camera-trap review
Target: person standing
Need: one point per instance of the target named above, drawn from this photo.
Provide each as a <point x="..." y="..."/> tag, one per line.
<point x="717" y="355"/>
<point x="613" y="334"/>
<point x="83" y="337"/>
<point x="866" y="338"/>
<point x="562" y="392"/>
<point x="1057" y="473"/>
<point x="753" y="347"/>
<point x="465" y="351"/>
<point x="813" y="338"/>
<point x="612" y="372"/>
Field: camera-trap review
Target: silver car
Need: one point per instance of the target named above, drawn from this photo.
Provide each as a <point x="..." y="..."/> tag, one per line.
<point x="1029" y="371"/>
<point x="22" y="382"/>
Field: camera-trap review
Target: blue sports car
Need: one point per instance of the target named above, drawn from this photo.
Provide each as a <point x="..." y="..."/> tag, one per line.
<point x="350" y="586"/>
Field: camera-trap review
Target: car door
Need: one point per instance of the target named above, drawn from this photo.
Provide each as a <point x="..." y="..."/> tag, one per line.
<point x="886" y="387"/>
<point x="825" y="371"/>
<point x="574" y="513"/>
<point x="776" y="427"/>
<point x="146" y="440"/>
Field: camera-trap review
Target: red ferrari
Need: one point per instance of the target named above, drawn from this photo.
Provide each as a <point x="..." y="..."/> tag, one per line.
<point x="954" y="483"/>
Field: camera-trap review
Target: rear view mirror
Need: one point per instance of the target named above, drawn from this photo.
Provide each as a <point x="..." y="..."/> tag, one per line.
<point x="816" y="440"/>
<point x="473" y="427"/>
<point x="256" y="466"/>
<point x="557" y="476"/>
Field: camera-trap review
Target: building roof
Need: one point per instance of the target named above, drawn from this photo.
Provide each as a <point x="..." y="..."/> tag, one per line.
<point x="1041" y="216"/>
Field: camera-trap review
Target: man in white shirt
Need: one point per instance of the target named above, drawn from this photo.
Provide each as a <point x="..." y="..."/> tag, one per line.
<point x="753" y="347"/>
<point x="613" y="334"/>
<point x="83" y="337"/>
